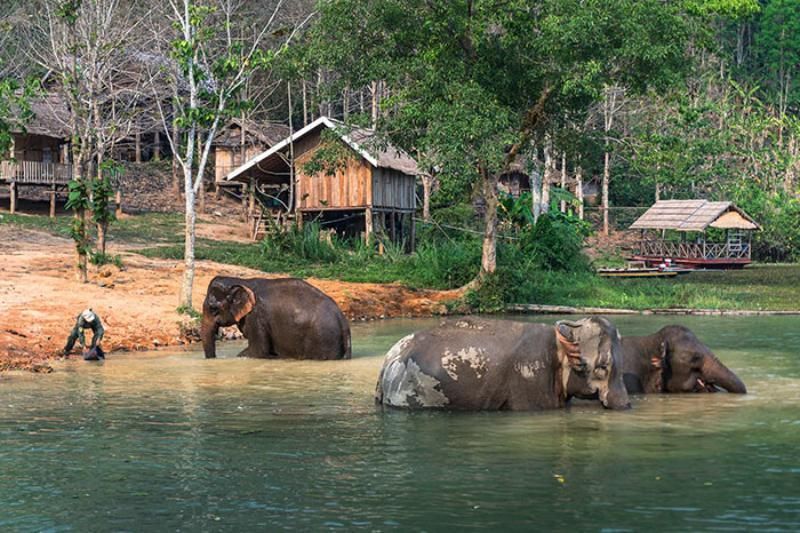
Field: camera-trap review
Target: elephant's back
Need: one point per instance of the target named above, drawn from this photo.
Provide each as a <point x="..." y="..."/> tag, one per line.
<point x="305" y="320"/>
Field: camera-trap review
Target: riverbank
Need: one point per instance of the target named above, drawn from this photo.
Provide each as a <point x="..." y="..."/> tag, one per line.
<point x="40" y="297"/>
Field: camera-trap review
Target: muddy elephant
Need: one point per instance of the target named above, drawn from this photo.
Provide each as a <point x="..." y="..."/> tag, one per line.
<point x="477" y="364"/>
<point x="674" y="360"/>
<point x="278" y="317"/>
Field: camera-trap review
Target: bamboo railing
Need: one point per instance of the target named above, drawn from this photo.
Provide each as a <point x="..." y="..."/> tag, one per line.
<point x="35" y="172"/>
<point x="689" y="250"/>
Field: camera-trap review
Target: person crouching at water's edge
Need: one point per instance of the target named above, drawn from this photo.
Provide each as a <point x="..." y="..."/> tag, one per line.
<point x="86" y="320"/>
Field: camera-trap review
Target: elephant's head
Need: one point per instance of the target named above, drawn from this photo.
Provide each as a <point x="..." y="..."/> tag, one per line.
<point x="592" y="350"/>
<point x="690" y="366"/>
<point x="227" y="302"/>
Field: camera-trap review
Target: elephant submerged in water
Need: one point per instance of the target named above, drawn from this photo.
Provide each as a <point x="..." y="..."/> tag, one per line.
<point x="674" y="360"/>
<point x="278" y="317"/>
<point x="475" y="364"/>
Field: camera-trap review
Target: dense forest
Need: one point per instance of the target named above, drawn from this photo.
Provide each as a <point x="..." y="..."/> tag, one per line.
<point x="638" y="99"/>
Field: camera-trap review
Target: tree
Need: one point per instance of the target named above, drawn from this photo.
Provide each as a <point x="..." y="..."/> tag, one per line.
<point x="85" y="46"/>
<point x="476" y="83"/>
<point x="216" y="51"/>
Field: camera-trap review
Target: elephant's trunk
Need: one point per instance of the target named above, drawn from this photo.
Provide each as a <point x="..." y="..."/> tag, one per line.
<point x="208" y="332"/>
<point x="715" y="373"/>
<point x="616" y="396"/>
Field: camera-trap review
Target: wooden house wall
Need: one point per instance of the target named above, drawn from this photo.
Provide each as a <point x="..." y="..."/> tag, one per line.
<point x="226" y="159"/>
<point x="349" y="187"/>
<point x="37" y="148"/>
<point x="392" y="189"/>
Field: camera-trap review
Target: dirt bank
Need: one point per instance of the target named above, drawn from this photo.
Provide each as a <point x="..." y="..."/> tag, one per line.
<point x="40" y="298"/>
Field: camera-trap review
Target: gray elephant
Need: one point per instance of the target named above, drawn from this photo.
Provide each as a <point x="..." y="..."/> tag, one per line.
<point x="477" y="364"/>
<point x="278" y="317"/>
<point x="674" y="360"/>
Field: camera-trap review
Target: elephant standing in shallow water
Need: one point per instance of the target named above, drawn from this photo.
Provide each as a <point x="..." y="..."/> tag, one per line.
<point x="674" y="360"/>
<point x="278" y="317"/>
<point x="475" y="364"/>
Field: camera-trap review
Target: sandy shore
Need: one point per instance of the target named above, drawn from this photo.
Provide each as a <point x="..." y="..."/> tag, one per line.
<point x="40" y="298"/>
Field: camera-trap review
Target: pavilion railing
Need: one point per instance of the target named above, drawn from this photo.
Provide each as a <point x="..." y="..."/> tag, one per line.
<point x="690" y="250"/>
<point x="35" y="172"/>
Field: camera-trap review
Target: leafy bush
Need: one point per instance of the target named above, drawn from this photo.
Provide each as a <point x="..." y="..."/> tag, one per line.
<point x="306" y="243"/>
<point x="555" y="242"/>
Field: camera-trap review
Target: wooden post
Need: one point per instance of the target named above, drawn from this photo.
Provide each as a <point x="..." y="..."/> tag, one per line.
<point x="368" y="225"/>
<point x="244" y="202"/>
<point x="118" y="203"/>
<point x="413" y="238"/>
<point x="53" y="201"/>
<point x="251" y="199"/>
<point x="13" y="194"/>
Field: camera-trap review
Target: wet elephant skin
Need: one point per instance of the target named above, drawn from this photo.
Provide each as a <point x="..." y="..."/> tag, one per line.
<point x="478" y="364"/>
<point x="674" y="360"/>
<point x="278" y="317"/>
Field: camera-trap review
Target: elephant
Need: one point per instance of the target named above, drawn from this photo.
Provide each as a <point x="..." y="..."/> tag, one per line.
<point x="479" y="364"/>
<point x="278" y="317"/>
<point x="674" y="360"/>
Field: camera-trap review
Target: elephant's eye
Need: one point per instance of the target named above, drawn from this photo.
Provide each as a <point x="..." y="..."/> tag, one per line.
<point x="601" y="370"/>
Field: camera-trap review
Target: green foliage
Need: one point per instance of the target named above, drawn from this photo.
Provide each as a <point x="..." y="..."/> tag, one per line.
<point x="330" y="157"/>
<point x="15" y="109"/>
<point x="778" y="216"/>
<point x="555" y="242"/>
<point x="100" y="259"/>
<point x="191" y="312"/>
<point x="102" y="193"/>
<point x="306" y="243"/>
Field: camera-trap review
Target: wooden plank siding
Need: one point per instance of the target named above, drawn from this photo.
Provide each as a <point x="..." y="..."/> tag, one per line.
<point x="349" y="187"/>
<point x="393" y="190"/>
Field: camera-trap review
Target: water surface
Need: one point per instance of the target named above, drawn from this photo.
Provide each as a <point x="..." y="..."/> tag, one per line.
<point x="170" y="441"/>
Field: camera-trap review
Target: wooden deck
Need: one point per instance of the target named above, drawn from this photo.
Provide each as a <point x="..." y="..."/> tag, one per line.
<point x="35" y="173"/>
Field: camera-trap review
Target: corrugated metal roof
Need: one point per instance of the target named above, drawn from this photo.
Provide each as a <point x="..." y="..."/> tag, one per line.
<point x="690" y="215"/>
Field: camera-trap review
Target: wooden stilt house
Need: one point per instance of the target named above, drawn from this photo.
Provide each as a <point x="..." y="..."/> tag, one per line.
<point x="695" y="234"/>
<point x="367" y="189"/>
<point x="39" y="156"/>
<point x="241" y="140"/>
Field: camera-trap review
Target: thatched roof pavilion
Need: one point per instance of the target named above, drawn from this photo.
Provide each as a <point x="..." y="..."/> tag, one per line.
<point x="698" y="216"/>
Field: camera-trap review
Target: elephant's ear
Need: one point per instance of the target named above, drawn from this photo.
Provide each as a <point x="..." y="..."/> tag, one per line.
<point x="242" y="301"/>
<point x="657" y="360"/>
<point x="568" y="344"/>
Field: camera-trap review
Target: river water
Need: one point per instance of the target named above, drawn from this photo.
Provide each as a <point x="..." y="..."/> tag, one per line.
<point x="170" y="441"/>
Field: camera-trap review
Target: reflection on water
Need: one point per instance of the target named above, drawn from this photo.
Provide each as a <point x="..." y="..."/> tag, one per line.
<point x="171" y="441"/>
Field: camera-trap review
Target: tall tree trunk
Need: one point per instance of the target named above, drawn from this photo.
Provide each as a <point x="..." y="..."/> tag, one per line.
<point x="345" y="103"/>
<point x="536" y="195"/>
<point x="563" y="204"/>
<point x="374" y="89"/>
<point x="489" y="251"/>
<point x="606" y="174"/>
<point x="427" y="185"/>
<point x="579" y="190"/>
<point x="549" y="170"/>
<point x="305" y="104"/>
<point x="201" y="193"/>
<point x="80" y="217"/>
<point x="176" y="180"/>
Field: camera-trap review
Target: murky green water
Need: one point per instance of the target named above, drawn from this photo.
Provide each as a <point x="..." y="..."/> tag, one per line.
<point x="162" y="441"/>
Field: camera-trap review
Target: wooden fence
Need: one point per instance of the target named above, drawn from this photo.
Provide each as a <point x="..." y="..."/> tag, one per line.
<point x="35" y="172"/>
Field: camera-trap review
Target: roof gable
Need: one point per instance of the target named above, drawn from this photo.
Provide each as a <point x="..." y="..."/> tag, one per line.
<point x="358" y="139"/>
<point x="693" y="215"/>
